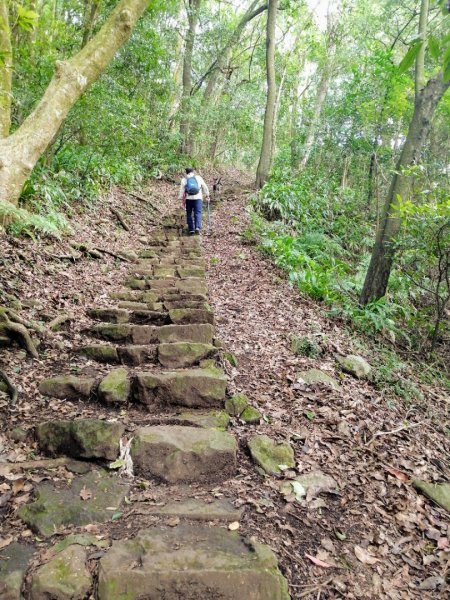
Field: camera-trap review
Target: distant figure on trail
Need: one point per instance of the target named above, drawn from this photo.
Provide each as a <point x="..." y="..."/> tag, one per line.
<point x="191" y="193"/>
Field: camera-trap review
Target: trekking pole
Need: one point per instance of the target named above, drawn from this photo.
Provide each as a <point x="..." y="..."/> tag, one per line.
<point x="209" y="216"/>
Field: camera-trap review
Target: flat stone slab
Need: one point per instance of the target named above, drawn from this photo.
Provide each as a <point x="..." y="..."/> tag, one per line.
<point x="184" y="354"/>
<point x="84" y="438"/>
<point x="205" y="418"/>
<point x="13" y="565"/>
<point x="64" y="577"/>
<point x="200" y="333"/>
<point x="174" y="453"/>
<point x="355" y="365"/>
<point x="101" y="353"/>
<point x="60" y="507"/>
<point x="115" y="387"/>
<point x="182" y="316"/>
<point x="110" y="315"/>
<point x="316" y="376"/>
<point x="68" y="387"/>
<point x="198" y="510"/>
<point x="116" y="332"/>
<point x="190" y="562"/>
<point x="194" y="388"/>
<point x="137" y="354"/>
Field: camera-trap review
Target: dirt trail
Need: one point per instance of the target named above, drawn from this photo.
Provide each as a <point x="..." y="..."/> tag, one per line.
<point x="367" y="534"/>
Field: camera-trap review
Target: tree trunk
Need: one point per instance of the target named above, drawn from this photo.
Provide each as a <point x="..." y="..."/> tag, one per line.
<point x="219" y="66"/>
<point x="380" y="266"/>
<point x="177" y="76"/>
<point x="265" y="160"/>
<point x="193" y="14"/>
<point x="5" y="70"/>
<point x="420" y="80"/>
<point x="20" y="151"/>
<point x="276" y="111"/>
<point x="321" y="95"/>
<point x="91" y="14"/>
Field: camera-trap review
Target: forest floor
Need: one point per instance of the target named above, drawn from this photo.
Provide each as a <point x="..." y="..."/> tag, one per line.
<point x="377" y="537"/>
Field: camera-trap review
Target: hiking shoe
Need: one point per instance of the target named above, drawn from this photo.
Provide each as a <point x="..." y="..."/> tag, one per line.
<point x="197" y="232"/>
<point x="191" y="232"/>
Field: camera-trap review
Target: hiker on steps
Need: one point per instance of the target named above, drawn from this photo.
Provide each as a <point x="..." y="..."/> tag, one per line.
<point x="191" y="193"/>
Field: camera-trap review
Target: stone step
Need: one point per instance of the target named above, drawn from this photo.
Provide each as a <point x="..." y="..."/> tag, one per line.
<point x="170" y="304"/>
<point x="171" y="356"/>
<point x="184" y="316"/>
<point x="201" y="333"/>
<point x="69" y="387"/>
<point x="177" y="454"/>
<point x="121" y="315"/>
<point x="190" y="562"/>
<point x="132" y="305"/>
<point x="198" y="510"/>
<point x="193" y="388"/>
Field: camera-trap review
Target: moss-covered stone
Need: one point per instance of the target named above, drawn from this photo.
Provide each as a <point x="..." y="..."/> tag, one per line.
<point x="199" y="304"/>
<point x="18" y="434"/>
<point x="192" y="286"/>
<point x="113" y="331"/>
<point x="304" y="346"/>
<point x="65" y="577"/>
<point x="198" y="510"/>
<point x="183" y="354"/>
<point x="230" y="357"/>
<point x="437" y="492"/>
<point x="183" y="316"/>
<point x="269" y="455"/>
<point x="110" y="315"/>
<point x="136" y="284"/>
<point x="210" y="419"/>
<point x="85" y="438"/>
<point x="159" y="271"/>
<point x="68" y="387"/>
<point x="13" y="565"/>
<point x="195" y="388"/>
<point x="137" y="354"/>
<point x="190" y="562"/>
<point x="101" y="353"/>
<point x="191" y="271"/>
<point x="128" y="295"/>
<point x="115" y="387"/>
<point x="201" y="334"/>
<point x="236" y="405"/>
<point x="355" y="365"/>
<point x="175" y="453"/>
<point x="316" y="376"/>
<point x="251" y="415"/>
<point x="57" y="507"/>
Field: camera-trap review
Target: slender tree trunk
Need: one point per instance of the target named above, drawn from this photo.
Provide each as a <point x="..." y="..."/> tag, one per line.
<point x="265" y="160"/>
<point x="177" y="76"/>
<point x="420" y="80"/>
<point x="321" y="95"/>
<point x="276" y="111"/>
<point x="380" y="266"/>
<point x="193" y="14"/>
<point x="218" y="68"/>
<point x="92" y="11"/>
<point x="5" y="70"/>
<point x="20" y="151"/>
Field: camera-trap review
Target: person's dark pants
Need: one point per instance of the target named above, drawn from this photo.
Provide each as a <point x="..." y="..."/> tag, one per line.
<point x="194" y="214"/>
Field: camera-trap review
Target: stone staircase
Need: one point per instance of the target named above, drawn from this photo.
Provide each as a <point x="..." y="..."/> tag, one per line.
<point x="158" y="335"/>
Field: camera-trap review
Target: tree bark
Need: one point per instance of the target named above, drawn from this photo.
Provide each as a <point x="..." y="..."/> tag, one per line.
<point x="5" y="70"/>
<point x="420" y="80"/>
<point x="193" y="14"/>
<point x="178" y="71"/>
<point x="265" y="160"/>
<point x="20" y="151"/>
<point x="381" y="262"/>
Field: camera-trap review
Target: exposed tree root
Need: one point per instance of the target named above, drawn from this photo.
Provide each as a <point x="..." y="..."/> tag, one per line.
<point x="120" y="218"/>
<point x="12" y="390"/>
<point x="17" y="331"/>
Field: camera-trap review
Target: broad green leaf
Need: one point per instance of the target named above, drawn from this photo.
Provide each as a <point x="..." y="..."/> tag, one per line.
<point x="410" y="57"/>
<point x="433" y="45"/>
<point x="117" y="464"/>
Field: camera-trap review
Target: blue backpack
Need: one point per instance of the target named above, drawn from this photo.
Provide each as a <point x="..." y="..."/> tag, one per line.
<point x="192" y="188"/>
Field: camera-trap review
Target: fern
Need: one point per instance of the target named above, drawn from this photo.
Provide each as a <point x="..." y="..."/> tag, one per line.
<point x="21" y="221"/>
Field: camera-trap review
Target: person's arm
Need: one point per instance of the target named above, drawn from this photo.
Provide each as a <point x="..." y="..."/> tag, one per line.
<point x="205" y="189"/>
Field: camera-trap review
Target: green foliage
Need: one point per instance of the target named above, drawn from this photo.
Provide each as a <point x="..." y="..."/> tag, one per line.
<point x="22" y="221"/>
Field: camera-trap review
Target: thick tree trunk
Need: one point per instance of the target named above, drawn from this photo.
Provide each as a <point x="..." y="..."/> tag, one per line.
<point x="20" y="151"/>
<point x="380" y="266"/>
<point x="5" y="70"/>
<point x="193" y="14"/>
<point x="265" y="160"/>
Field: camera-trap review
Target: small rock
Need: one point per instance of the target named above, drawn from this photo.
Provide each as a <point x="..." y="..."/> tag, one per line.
<point x="67" y="387"/>
<point x="303" y="346"/>
<point x="269" y="455"/>
<point x="236" y="405"/>
<point x="18" y="434"/>
<point x="439" y="493"/>
<point x="251" y="415"/>
<point x="13" y="565"/>
<point x="343" y="428"/>
<point x="314" y="376"/>
<point x="64" y="577"/>
<point x="115" y="387"/>
<point x="355" y="365"/>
